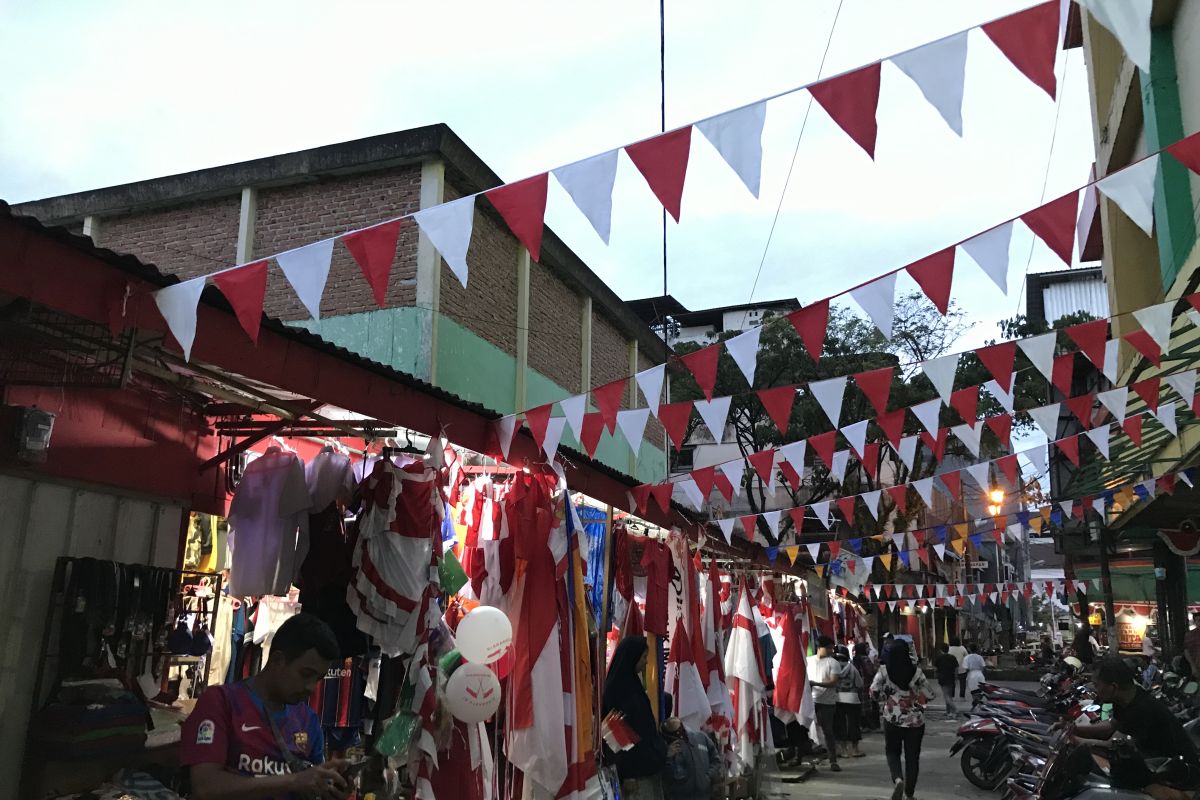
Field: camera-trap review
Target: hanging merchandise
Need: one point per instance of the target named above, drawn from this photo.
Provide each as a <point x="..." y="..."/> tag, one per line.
<point x="484" y="635"/>
<point x="473" y="693"/>
<point x="268" y="519"/>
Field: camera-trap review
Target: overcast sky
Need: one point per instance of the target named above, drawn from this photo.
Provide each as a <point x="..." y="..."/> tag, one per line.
<point x="106" y="93"/>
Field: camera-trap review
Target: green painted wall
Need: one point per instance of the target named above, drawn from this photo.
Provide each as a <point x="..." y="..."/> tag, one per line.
<point x="475" y="369"/>
<point x="392" y="336"/>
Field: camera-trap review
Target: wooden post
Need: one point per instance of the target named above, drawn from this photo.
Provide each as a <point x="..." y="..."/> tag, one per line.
<point x="601" y="659"/>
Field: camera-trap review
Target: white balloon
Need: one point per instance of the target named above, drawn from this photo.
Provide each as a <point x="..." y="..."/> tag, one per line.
<point x="473" y="693"/>
<point x="484" y="635"/>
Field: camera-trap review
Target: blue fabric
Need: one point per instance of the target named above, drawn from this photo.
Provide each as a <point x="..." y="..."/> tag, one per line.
<point x="595" y="526"/>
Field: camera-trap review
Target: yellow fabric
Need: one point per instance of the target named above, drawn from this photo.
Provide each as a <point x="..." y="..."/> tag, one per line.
<point x="652" y="671"/>
<point x="959" y="545"/>
<point x="792" y="552"/>
<point x="886" y="558"/>
<point x="584" y="687"/>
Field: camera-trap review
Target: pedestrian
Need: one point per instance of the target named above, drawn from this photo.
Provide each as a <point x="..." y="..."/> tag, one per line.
<point x="902" y="689"/>
<point x="959" y="652"/>
<point x="886" y="647"/>
<point x="866" y="667"/>
<point x="974" y="665"/>
<point x="693" y="760"/>
<point x="946" y="666"/>
<point x="848" y="718"/>
<point x="640" y="767"/>
<point x="1085" y="644"/>
<point x="824" y="673"/>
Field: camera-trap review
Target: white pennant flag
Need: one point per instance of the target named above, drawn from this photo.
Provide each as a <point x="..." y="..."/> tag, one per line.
<point x="506" y="428"/>
<point x="448" y="227"/>
<point x="714" y="413"/>
<point x="981" y="473"/>
<point x="990" y="251"/>
<point x="1046" y="418"/>
<point x="307" y="270"/>
<point x="1067" y="506"/>
<point x="573" y="409"/>
<point x="744" y="350"/>
<point x="1037" y="458"/>
<point x="898" y="540"/>
<point x="970" y="436"/>
<point x="814" y="549"/>
<point x="938" y="69"/>
<point x="691" y="493"/>
<point x="1112" y="349"/>
<point x="907" y="450"/>
<point x="1185" y="384"/>
<point x="1132" y="189"/>
<point x="940" y="372"/>
<point x="733" y="470"/>
<point x="772" y="520"/>
<point x="940" y="549"/>
<point x="821" y="510"/>
<point x="632" y="423"/>
<point x="1098" y="506"/>
<point x="837" y="470"/>
<point x="793" y="453"/>
<point x="1156" y="321"/>
<point x="1183" y="476"/>
<point x="829" y="394"/>
<point x="1005" y="399"/>
<point x="1115" y="400"/>
<point x="650" y="382"/>
<point x="554" y="432"/>
<point x="177" y="304"/>
<point x="927" y="413"/>
<point x="878" y="300"/>
<point x="1101" y="436"/>
<point x="590" y="184"/>
<point x="891" y="605"/>
<point x="869" y="562"/>
<point x="726" y="526"/>
<point x="1193" y="315"/>
<point x="856" y="435"/>
<point x="737" y="136"/>
<point x="924" y="488"/>
<point x="1040" y="350"/>
<point x="1129" y="22"/>
<point x="1166" y="415"/>
<point x="871" y="501"/>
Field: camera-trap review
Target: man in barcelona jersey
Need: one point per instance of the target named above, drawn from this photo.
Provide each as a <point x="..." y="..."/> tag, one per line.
<point x="258" y="739"/>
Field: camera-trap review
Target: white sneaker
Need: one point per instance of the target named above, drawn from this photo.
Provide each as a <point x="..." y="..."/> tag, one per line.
<point x="898" y="790"/>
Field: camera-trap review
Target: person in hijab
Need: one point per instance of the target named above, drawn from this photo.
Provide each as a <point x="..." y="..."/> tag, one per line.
<point x="903" y="692"/>
<point x="640" y="767"/>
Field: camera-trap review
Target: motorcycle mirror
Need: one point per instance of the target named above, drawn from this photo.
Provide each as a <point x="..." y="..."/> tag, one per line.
<point x="1191" y="687"/>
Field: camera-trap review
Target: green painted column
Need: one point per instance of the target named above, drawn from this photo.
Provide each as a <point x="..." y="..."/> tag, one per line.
<point x="1174" y="219"/>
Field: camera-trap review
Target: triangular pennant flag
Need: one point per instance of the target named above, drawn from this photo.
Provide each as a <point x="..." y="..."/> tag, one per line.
<point x="1185" y="384"/>
<point x="937" y="445"/>
<point x="998" y="359"/>
<point x="907" y="451"/>
<point x="934" y="275"/>
<point x="1166" y="416"/>
<point x="778" y="404"/>
<point x="953" y="482"/>
<point x="939" y="69"/>
<point x="743" y="348"/>
<point x="374" y="249"/>
<point x="734" y="471"/>
<point x="1090" y="337"/>
<point x="851" y="100"/>
<point x="674" y="418"/>
<point x="737" y="136"/>
<point x="573" y="409"/>
<point x="966" y="403"/>
<point x="797" y="515"/>
<point x="1030" y="41"/>
<point x="1004" y="398"/>
<point x="1008" y="466"/>
<point x="691" y="493"/>
<point x="959" y="546"/>
<point x="793" y="453"/>
<point x="969" y="435"/>
<point x="821" y="509"/>
<point x="1001" y="425"/>
<point x="792" y="552"/>
<point x="990" y="251"/>
<point x="590" y="184"/>
<point x="1101" y="437"/>
<point x="899" y="495"/>
<point x="726" y="526"/>
<point x="1156" y="321"/>
<point x="822" y="444"/>
<point x="724" y="486"/>
<point x="814" y="548"/>
<point x="1115" y="400"/>
<point x="1133" y="429"/>
<point x="1040" y="352"/>
<point x="245" y="288"/>
<point x="177" y="304"/>
<point x="506" y="428"/>
<point x="764" y="464"/>
<point x="940" y="549"/>
<point x="892" y="425"/>
<point x="704" y="477"/>
<point x="1148" y="391"/>
<point x="1046" y="418"/>
<point x="663" y="162"/>
<point x="829" y="394"/>
<point x="837" y="470"/>
<point x="846" y="506"/>
<point x="856" y="435"/>
<point x="871" y="501"/>
<point x="750" y="526"/>
<point x="878" y="300"/>
<point x="1187" y="152"/>
<point x="1111" y="351"/>
<point x="876" y="384"/>
<point x="537" y="419"/>
<point x="924" y="488"/>
<point x="981" y="474"/>
<point x="1129" y="22"/>
<point x="608" y="400"/>
<point x="554" y="432"/>
<point x="810" y="323"/>
<point x="891" y="603"/>
<point x="1054" y="224"/>
<point x="650" y="382"/>
<point x="1069" y="447"/>
<point x="715" y="413"/>
<point x="941" y="371"/>
<point x="1144" y="343"/>
<point x="448" y="227"/>
<point x="632" y="423"/>
<point x="1082" y="407"/>
<point x="1062" y="372"/>
<point x="870" y="460"/>
<point x="927" y="413"/>
<point x="1132" y="188"/>
<point x="772" y="520"/>
<point x="307" y="270"/>
<point x="1037" y="458"/>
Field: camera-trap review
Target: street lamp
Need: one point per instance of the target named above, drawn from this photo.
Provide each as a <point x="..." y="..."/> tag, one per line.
<point x="996" y="496"/>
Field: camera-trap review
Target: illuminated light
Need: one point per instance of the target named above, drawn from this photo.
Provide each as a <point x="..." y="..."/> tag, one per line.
<point x="996" y="496"/>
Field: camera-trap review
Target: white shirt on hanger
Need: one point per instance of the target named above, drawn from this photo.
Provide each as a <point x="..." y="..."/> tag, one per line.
<point x="268" y="522"/>
<point x="329" y="476"/>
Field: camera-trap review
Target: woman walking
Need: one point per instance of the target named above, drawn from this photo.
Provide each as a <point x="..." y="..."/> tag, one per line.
<point x="974" y="665"/>
<point x="847" y="721"/>
<point x="903" y="691"/>
<point x="640" y="767"/>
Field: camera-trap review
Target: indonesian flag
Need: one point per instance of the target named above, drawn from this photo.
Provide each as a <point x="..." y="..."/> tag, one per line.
<point x="582" y="782"/>
<point x="714" y="651"/>
<point x="793" y="700"/>
<point x="617" y="733"/>
<point x="747" y="680"/>
<point x="685" y="603"/>
<point x="683" y="681"/>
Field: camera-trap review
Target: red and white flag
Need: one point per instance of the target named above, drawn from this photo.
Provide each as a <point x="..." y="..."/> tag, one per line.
<point x="683" y="682"/>
<point x="747" y="681"/>
<point x="617" y="733"/>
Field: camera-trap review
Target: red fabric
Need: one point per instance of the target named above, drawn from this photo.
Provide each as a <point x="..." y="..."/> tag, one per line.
<point x="703" y="366"/>
<point x="1145" y="344"/>
<point x="778" y="404"/>
<point x="663" y="162"/>
<point x="1062" y="371"/>
<point x="892" y="425"/>
<point x="876" y="384"/>
<point x="641" y="498"/>
<point x="1030" y="41"/>
<point x="375" y="249"/>
<point x="763" y="463"/>
<point x="1069" y="447"/>
<point x="953" y="482"/>
<point x="674" y="418"/>
<point x="661" y="493"/>
<point x="245" y="288"/>
<point x="1054" y="223"/>
<point x="538" y="419"/>
<point x="724" y="486"/>
<point x="608" y="401"/>
<point x="792" y="679"/>
<point x="835" y="547"/>
<point x="1001" y="425"/>
<point x="822" y="444"/>
<point x="1091" y="338"/>
<point x="1148" y="391"/>
<point x="797" y="515"/>
<point x="749" y="525"/>
<point x="1008" y="465"/>
<point x="870" y="459"/>
<point x="1166" y="483"/>
<point x="998" y="359"/>
<point x="1081" y="407"/>
<point x="851" y="100"/>
<point x="1187" y="152"/>
<point x="523" y="206"/>
<point x="936" y="446"/>
<point x="593" y="429"/>
<point x="966" y="403"/>
<point x="656" y="561"/>
<point x="1133" y="428"/>
<point x="899" y="495"/>
<point x="810" y="323"/>
<point x="846" y="505"/>
<point x="704" y="478"/>
<point x="450" y="778"/>
<point x="934" y="275"/>
<point x="791" y="474"/>
<point x="635" y="624"/>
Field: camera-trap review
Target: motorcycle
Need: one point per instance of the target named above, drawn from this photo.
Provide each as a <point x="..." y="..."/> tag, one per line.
<point x="1075" y="772"/>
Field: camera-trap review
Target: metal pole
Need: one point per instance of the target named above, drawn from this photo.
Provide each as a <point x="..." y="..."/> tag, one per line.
<point x="662" y="86"/>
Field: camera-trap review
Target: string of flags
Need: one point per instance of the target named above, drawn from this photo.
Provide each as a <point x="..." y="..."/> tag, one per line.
<point x="938" y="595"/>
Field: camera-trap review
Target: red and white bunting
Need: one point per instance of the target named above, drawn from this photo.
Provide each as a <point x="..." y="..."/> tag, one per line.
<point x="632" y="423"/>
<point x="1100" y="436"/>
<point x="1156" y="322"/>
<point x="674" y="418"/>
<point x="1090" y="338"/>
<point x="737" y="136"/>
<point x="702" y="364"/>
<point x="934" y="274"/>
<point x="1054" y="224"/>
<point x="990" y="251"/>
<point x="246" y="289"/>
<point x="307" y="270"/>
<point x="998" y="359"/>
<point x="778" y="404"/>
<point x="374" y="249"/>
<point x="1132" y="189"/>
<point x="829" y="394"/>
<point x="590" y="184"/>
<point x="811" y="323"/>
<point x="856" y="435"/>
<point x="715" y="413"/>
<point x="1187" y="152"/>
<point x="1129" y="22"/>
<point x="522" y="204"/>
<point x="663" y="162"/>
<point x="851" y="100"/>
<point x="1115" y="400"/>
<point x="1040" y="352"/>
<point x="608" y="401"/>
<point x="939" y="70"/>
<point x="743" y="348"/>
<point x="876" y="384"/>
<point x="650" y="382"/>
<point x="448" y="227"/>
<point x="878" y="300"/>
<point x="928" y="414"/>
<point x="573" y="409"/>
<point x="177" y="304"/>
<point x="1029" y="39"/>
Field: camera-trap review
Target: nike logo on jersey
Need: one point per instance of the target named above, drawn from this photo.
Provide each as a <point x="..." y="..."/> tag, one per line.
<point x="247" y="728"/>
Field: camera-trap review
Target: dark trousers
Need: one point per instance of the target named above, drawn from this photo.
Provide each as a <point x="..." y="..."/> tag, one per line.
<point x="895" y="738"/>
<point x="848" y="722"/>
<point x="826" y="714"/>
<point x="962" y="685"/>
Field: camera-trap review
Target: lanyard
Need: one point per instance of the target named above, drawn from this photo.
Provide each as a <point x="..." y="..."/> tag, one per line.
<point x="294" y="762"/>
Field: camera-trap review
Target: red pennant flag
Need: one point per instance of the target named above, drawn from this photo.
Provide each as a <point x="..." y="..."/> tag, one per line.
<point x="936" y="446"/>
<point x="882" y="605"/>
<point x="822" y="444"/>
<point x="1194" y="299"/>
<point x="1030" y="41"/>
<point x="704" y="477"/>
<point x="892" y="424"/>
<point x="797" y="515"/>
<point x="966" y="403"/>
<point x="523" y="207"/>
<point x="953" y="482"/>
<point x="1133" y="429"/>
<point x="934" y="274"/>
<point x="846" y="505"/>
<point x="724" y="487"/>
<point x="853" y="566"/>
<point x="778" y="404"/>
<point x="1187" y="152"/>
<point x="641" y="497"/>
<point x="593" y="428"/>
<point x="1069" y="447"/>
<point x="663" y="162"/>
<point x="998" y="359"/>
<point x="1145" y="344"/>
<point x="870" y="460"/>
<point x="245" y="288"/>
<point x="810" y="323"/>
<point x="749" y="525"/>
<point x="1091" y="338"/>
<point x="537" y="419"/>
<point x="876" y="384"/>
<point x="899" y="495"/>
<point x="661" y="493"/>
<point x="763" y="462"/>
<point x="835" y="547"/>
<point x="375" y="249"/>
<point x="851" y="100"/>
<point x="1148" y="391"/>
<point x="608" y="402"/>
<point x="1078" y="509"/>
<point x="703" y="365"/>
<point x="1054" y="223"/>
<point x="790" y="474"/>
<point x="1001" y="425"/>
<point x="1166" y="483"/>
<point x="941" y="602"/>
<point x="1008" y="466"/>
<point x="1081" y="407"/>
<point x="1062" y="371"/>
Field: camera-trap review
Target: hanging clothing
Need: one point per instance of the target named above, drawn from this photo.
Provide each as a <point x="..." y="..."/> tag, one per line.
<point x="268" y="518"/>
<point x="656" y="560"/>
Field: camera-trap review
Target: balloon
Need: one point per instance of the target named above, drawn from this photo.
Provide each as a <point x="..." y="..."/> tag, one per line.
<point x="473" y="693"/>
<point x="484" y="635"/>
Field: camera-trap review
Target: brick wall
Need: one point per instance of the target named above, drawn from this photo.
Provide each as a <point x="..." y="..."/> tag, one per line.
<point x="610" y="353"/>
<point x="185" y="240"/>
<point x="555" y="322"/>
<point x="295" y="215"/>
